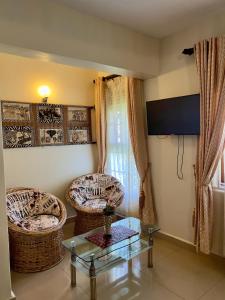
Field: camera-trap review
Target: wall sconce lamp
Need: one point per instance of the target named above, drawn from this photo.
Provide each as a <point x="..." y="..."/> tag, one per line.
<point x="44" y="91"/>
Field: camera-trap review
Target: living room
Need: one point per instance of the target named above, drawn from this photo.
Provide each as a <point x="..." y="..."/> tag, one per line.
<point x="66" y="48"/>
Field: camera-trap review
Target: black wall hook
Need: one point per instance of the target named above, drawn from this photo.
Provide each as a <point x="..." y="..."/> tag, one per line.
<point x="188" y="51"/>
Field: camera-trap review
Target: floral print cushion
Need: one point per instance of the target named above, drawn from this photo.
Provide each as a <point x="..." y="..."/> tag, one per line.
<point x="39" y="223"/>
<point x="24" y="203"/>
<point x="91" y="192"/>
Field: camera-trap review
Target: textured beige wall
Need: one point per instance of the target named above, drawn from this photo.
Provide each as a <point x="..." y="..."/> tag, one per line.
<point x="49" y="168"/>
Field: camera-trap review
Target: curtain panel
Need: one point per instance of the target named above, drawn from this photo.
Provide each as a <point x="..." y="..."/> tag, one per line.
<point x="101" y="124"/>
<point x="120" y="158"/>
<point x="138" y="135"/>
<point x="210" y="61"/>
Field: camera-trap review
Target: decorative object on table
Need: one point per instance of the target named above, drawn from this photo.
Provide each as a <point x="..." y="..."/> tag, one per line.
<point x="17" y="136"/>
<point x="108" y="212"/>
<point x="89" y="258"/>
<point x="117" y="234"/>
<point x="15" y="111"/>
<point x="35" y="221"/>
<point x="89" y="195"/>
<point x="34" y="124"/>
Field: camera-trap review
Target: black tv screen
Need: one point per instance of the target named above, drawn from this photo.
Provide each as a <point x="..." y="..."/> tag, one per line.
<point x="179" y="116"/>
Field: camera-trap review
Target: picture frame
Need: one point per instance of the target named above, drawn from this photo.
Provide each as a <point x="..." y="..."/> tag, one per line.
<point x="77" y="114"/>
<point x="27" y="124"/>
<point x="51" y="136"/>
<point x="78" y="135"/>
<point x="50" y="114"/>
<point x="17" y="136"/>
<point x="15" y="111"/>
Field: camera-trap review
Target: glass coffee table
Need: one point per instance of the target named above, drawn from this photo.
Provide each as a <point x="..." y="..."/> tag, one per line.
<point x="91" y="259"/>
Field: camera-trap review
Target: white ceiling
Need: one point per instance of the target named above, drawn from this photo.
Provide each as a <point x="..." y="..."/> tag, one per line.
<point x="157" y="18"/>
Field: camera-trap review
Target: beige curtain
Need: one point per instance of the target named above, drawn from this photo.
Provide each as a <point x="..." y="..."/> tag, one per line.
<point x="138" y="136"/>
<point x="120" y="160"/>
<point x="100" y="114"/>
<point x="210" y="60"/>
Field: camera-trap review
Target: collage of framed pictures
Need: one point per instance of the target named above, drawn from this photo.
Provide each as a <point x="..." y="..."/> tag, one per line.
<point x="33" y="125"/>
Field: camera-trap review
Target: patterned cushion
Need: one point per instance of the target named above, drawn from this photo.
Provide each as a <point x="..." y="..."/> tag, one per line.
<point x="39" y="223"/>
<point x="91" y="192"/>
<point x="24" y="203"/>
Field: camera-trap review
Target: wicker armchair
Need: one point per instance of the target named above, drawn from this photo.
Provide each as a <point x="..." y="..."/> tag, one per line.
<point x="35" y="221"/>
<point x="89" y="194"/>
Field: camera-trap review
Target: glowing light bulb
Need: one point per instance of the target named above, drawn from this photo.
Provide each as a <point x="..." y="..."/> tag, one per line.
<point x="44" y="91"/>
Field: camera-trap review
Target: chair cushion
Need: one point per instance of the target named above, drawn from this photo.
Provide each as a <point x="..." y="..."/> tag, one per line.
<point x="39" y="223"/>
<point x="95" y="204"/>
<point x="24" y="203"/>
<point x="91" y="193"/>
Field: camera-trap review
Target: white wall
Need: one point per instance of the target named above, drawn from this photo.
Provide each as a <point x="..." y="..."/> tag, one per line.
<point x="178" y="76"/>
<point x="5" y="282"/>
<point x="50" y="168"/>
<point x="171" y="57"/>
<point x="53" y="28"/>
<point x="174" y="197"/>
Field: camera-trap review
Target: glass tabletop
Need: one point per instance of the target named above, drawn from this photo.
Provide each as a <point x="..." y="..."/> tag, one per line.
<point x="86" y="251"/>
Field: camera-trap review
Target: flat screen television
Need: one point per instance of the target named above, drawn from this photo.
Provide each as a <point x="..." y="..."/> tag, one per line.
<point x="178" y="116"/>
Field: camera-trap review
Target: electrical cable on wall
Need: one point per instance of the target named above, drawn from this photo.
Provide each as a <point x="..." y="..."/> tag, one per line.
<point x="180" y="174"/>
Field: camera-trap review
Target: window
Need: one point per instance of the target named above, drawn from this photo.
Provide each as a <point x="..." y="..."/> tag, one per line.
<point x="120" y="159"/>
<point x="218" y="180"/>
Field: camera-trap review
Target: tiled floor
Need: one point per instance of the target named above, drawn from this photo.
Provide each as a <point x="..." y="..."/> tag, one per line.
<point x="178" y="273"/>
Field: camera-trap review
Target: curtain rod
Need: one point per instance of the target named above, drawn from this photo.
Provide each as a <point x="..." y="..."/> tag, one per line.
<point x="188" y="51"/>
<point x="109" y="77"/>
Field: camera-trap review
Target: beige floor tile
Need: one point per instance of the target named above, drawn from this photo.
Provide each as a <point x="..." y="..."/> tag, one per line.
<point x="216" y="293"/>
<point x="136" y="285"/>
<point x="53" y="284"/>
<point x="177" y="274"/>
<point x="161" y="249"/>
<point x="186" y="274"/>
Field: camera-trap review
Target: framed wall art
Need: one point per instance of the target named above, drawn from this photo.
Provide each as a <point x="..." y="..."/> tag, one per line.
<point x="51" y="136"/>
<point x="50" y="113"/>
<point x="77" y="114"/>
<point x="78" y="135"/>
<point x="15" y="111"/>
<point x="40" y="124"/>
<point x="17" y="136"/>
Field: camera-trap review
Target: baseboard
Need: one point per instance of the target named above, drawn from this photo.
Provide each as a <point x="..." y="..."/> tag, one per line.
<point x="13" y="297"/>
<point x="176" y="240"/>
<point x="187" y="245"/>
